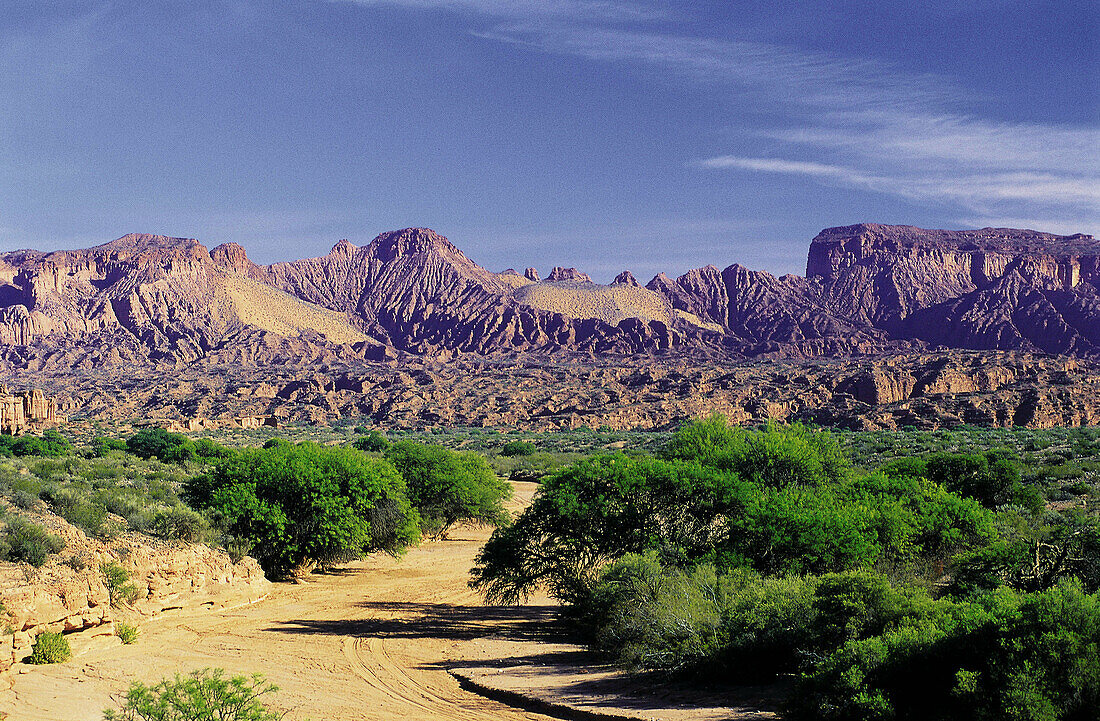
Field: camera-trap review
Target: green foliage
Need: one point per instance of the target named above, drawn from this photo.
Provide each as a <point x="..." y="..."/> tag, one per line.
<point x="999" y="656"/>
<point x="128" y="633"/>
<point x="305" y="504"/>
<point x="27" y="542"/>
<point x="180" y="522"/>
<point x="595" y="511"/>
<point x="119" y="588"/>
<point x="49" y="444"/>
<point x="78" y="510"/>
<point x="159" y="443"/>
<point x="776" y="455"/>
<point x="517" y="448"/>
<point x="101" y="447"/>
<point x="448" y="487"/>
<point x="50" y="647"/>
<point x="200" y="696"/>
<point x="206" y="448"/>
<point x="600" y="509"/>
<point x="373" y="442"/>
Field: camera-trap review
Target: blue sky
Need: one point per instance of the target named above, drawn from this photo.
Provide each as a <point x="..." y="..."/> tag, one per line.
<point x="595" y="133"/>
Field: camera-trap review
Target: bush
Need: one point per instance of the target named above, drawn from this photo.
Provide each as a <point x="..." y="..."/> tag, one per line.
<point x="517" y="448"/>
<point x="373" y="442"/>
<point x="777" y="455"/>
<point x="50" y="647"/>
<point x="28" y="542"/>
<point x="127" y="633"/>
<point x="119" y="589"/>
<point x="159" y="443"/>
<point x="448" y="487"/>
<point x="201" y="695"/>
<point x="180" y="522"/>
<point x="50" y="443"/>
<point x="100" y="447"/>
<point x="999" y="656"/>
<point x="307" y="504"/>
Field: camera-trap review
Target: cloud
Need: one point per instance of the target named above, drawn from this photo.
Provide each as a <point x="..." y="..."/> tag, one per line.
<point x="575" y="10"/>
<point x="859" y="123"/>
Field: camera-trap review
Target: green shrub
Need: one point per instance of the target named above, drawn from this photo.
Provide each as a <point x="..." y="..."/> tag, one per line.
<point x="50" y="443"/>
<point x="180" y="522"/>
<point x="100" y="446"/>
<point x="448" y="487"/>
<point x="50" y="647"/>
<point x="27" y="542"/>
<point x="999" y="656"/>
<point x="119" y="588"/>
<point x="159" y="443"/>
<point x="201" y="695"/>
<point x="127" y="633"/>
<point x="777" y="455"/>
<point x="373" y="442"/>
<point x="299" y="505"/>
<point x="517" y="448"/>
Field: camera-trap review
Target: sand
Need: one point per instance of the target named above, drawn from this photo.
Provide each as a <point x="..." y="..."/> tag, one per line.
<point x="379" y="639"/>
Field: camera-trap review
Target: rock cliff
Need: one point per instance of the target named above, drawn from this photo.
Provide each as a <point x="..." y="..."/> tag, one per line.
<point x="69" y="593"/>
<point x="869" y="289"/>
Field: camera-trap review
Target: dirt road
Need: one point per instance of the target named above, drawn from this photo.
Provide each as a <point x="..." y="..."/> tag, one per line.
<point x="369" y="642"/>
<point x="372" y="641"/>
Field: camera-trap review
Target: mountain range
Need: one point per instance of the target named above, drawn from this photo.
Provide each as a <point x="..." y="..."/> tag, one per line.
<point x="155" y="301"/>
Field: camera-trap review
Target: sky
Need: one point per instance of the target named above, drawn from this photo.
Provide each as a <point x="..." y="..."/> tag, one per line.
<point x="600" y="134"/>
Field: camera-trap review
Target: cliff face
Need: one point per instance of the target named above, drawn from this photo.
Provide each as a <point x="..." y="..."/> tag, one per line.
<point x="986" y="289"/>
<point x="168" y="575"/>
<point x="869" y="289"/>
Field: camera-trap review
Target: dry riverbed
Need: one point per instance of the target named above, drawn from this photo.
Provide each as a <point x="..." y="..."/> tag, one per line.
<point x="381" y="639"/>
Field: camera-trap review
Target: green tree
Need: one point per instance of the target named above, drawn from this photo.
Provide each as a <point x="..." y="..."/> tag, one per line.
<point x="775" y="455"/>
<point x="159" y="443"/>
<point x="302" y="505"/>
<point x="448" y="487"/>
<point x="589" y="514"/>
<point x="373" y="442"/>
<point x="203" y="695"/>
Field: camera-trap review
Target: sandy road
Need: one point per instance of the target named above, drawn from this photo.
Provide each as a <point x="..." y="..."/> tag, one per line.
<point x="372" y="641"/>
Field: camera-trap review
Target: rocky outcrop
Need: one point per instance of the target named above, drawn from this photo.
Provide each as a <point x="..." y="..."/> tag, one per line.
<point x="625" y="278"/>
<point x="993" y="288"/>
<point x="30" y="410"/>
<point x="560" y="274"/>
<point x="69" y="594"/>
<point x="870" y="289"/>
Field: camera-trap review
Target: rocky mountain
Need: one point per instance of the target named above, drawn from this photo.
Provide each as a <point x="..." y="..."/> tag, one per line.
<point x="150" y="326"/>
<point x="993" y="288"/>
<point x="869" y="289"/>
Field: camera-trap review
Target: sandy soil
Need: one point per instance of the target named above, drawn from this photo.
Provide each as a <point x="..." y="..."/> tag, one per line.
<point x="377" y="640"/>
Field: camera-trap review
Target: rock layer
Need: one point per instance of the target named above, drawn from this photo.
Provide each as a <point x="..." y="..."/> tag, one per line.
<point x="869" y="289"/>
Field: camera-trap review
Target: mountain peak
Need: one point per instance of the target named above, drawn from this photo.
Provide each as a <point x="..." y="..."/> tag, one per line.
<point x="410" y="241"/>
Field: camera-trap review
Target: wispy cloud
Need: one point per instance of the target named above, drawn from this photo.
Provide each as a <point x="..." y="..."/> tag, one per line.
<point x="568" y="9"/>
<point x="838" y="119"/>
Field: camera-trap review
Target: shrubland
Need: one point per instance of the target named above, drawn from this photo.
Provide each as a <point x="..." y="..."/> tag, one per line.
<point x="938" y="586"/>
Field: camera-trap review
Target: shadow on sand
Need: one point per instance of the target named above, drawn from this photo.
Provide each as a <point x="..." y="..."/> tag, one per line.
<point x="542" y="624"/>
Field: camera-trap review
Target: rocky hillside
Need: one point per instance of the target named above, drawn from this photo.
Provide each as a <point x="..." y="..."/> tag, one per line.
<point x="69" y="593"/>
<point x="869" y="289"/>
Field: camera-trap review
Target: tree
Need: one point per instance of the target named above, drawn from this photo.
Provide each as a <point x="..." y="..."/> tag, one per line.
<point x="302" y="505"/>
<point x="589" y="514"/>
<point x="373" y="442"/>
<point x="159" y="443"/>
<point x="448" y="487"/>
<point x="202" y="695"/>
<point x="775" y="455"/>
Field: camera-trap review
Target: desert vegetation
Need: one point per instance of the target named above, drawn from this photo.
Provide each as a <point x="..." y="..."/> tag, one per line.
<point x="945" y="585"/>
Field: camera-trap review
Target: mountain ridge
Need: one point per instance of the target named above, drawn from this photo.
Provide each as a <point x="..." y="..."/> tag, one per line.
<point x="869" y="289"/>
